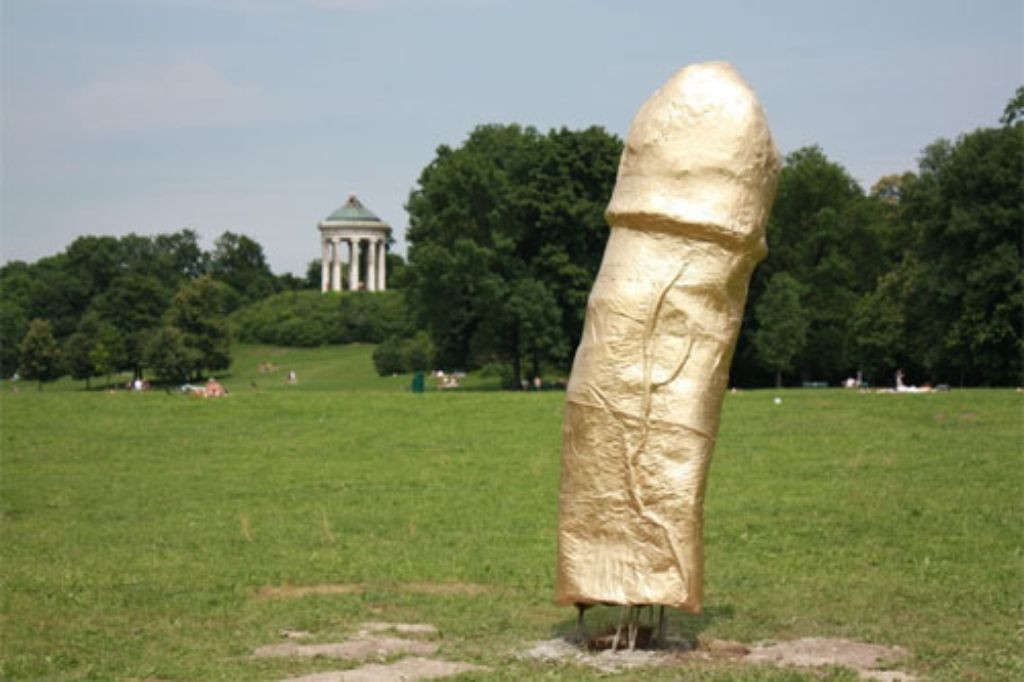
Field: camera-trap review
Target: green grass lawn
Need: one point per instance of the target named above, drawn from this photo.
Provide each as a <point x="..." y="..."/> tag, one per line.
<point x="138" y="530"/>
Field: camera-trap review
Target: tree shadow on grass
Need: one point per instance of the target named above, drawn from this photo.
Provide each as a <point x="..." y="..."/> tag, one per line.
<point x="123" y="382"/>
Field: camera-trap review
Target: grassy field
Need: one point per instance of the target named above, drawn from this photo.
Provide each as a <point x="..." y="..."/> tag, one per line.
<point x="140" y="532"/>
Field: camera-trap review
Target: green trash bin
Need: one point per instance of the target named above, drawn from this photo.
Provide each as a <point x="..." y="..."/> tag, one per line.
<point x="417" y="382"/>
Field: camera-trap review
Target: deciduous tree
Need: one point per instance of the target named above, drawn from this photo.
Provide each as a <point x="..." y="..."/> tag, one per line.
<point x="134" y="304"/>
<point x="782" y="324"/>
<point x="197" y="311"/>
<point x="13" y="325"/>
<point x="509" y="210"/>
<point x="168" y="356"/>
<point x="879" y="329"/>
<point x="835" y="241"/>
<point x="77" y="350"/>
<point x="41" y="358"/>
<point x="965" y="268"/>
<point x="238" y="261"/>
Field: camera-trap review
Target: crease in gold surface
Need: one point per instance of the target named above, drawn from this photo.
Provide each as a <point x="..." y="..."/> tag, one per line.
<point x="695" y="185"/>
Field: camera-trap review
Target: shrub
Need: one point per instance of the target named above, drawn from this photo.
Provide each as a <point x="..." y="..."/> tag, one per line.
<point x="387" y="357"/>
<point x="311" y="318"/>
<point x="292" y="318"/>
<point x="418" y="352"/>
<point x="503" y="371"/>
<point x="372" y="317"/>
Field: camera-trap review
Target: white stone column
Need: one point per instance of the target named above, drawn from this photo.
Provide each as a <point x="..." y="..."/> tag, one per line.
<point x="336" y="266"/>
<point x="353" y="264"/>
<point x="325" y="264"/>
<point x="371" y="266"/>
<point x="382" y="263"/>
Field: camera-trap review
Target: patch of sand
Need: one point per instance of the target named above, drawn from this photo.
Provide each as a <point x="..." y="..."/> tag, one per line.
<point x="358" y="648"/>
<point x="413" y="668"/>
<point x="368" y="643"/>
<point x="865" y="659"/>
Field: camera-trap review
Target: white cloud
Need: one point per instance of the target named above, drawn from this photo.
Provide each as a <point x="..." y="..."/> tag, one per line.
<point x="186" y="94"/>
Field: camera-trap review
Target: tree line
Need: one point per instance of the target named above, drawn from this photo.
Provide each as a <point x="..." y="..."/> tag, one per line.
<point x="922" y="273"/>
<point x="107" y="305"/>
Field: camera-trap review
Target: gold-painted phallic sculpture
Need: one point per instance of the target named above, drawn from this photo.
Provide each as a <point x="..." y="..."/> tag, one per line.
<point x="696" y="183"/>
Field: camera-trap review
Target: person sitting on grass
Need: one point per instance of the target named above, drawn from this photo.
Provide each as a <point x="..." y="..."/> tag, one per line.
<point x="214" y="389"/>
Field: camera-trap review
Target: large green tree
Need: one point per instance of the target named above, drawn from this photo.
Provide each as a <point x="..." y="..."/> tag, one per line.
<point x="96" y="348"/>
<point x="13" y="326"/>
<point x="782" y="323"/>
<point x="509" y="213"/>
<point x="238" y="261"/>
<point x="108" y="345"/>
<point x="133" y="303"/>
<point x="526" y="324"/>
<point x="178" y="254"/>
<point x="879" y="328"/>
<point x="41" y="357"/>
<point x="77" y="357"/>
<point x="965" y="268"/>
<point x="56" y="292"/>
<point x="453" y="287"/>
<point x="198" y="312"/>
<point x="168" y="355"/>
<point x="833" y="239"/>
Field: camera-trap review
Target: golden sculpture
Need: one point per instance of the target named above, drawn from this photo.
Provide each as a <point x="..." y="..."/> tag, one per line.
<point x="695" y="185"/>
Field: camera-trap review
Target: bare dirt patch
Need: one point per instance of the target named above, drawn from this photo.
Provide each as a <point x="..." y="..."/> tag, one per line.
<point x="298" y="591"/>
<point x="296" y="634"/>
<point x="813" y="652"/>
<point x="413" y="668"/>
<point x="442" y="589"/>
<point x="865" y="659"/>
<point x="722" y="648"/>
<point x="357" y="648"/>
<point x="374" y="640"/>
<point x="402" y="628"/>
<point x="560" y="650"/>
<point x="454" y="588"/>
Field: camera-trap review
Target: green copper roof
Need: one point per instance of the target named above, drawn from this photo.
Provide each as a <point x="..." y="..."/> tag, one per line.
<point x="353" y="211"/>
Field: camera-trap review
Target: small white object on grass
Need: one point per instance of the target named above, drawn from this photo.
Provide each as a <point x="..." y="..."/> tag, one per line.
<point x="778" y="400"/>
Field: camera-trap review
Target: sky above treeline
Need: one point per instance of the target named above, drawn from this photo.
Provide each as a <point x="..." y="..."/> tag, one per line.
<point x="262" y="116"/>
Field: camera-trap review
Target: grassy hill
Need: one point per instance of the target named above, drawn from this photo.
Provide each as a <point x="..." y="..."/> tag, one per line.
<point x="327" y="368"/>
<point x="144" y="536"/>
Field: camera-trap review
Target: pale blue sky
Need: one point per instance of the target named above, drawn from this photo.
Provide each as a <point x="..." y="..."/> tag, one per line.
<point x="261" y="116"/>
